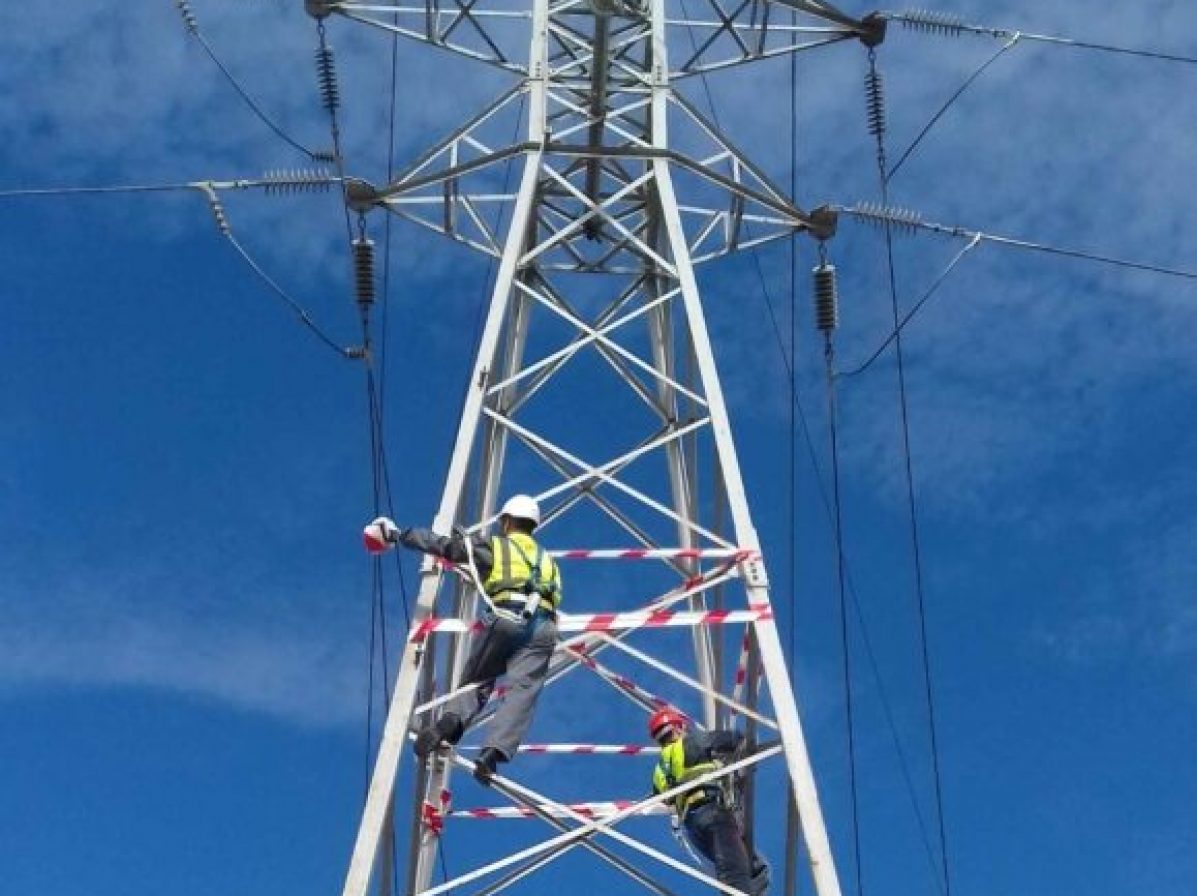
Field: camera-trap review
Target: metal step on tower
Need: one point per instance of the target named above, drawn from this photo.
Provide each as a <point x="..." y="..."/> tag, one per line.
<point x="595" y="389"/>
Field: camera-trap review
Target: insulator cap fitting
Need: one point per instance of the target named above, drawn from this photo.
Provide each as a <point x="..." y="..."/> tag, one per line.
<point x="827" y="314"/>
<point x="363" y="270"/>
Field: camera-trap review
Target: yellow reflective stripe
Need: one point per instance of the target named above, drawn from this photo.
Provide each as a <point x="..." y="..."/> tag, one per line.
<point x="512" y="570"/>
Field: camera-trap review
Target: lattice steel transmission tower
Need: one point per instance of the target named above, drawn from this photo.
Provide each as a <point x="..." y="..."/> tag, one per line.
<point x="595" y="388"/>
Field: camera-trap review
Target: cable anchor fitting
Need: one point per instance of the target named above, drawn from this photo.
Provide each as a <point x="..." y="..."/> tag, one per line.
<point x="189" y="20"/>
<point x="822" y="222"/>
<point x="872" y="29"/>
<point x="360" y="195"/>
<point x="222" y="221"/>
<point x="319" y="9"/>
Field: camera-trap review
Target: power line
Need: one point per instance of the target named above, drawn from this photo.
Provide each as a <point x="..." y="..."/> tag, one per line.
<point x="909" y="316"/>
<point x="905" y="219"/>
<point x="877" y="128"/>
<point x="845" y="643"/>
<point x="192" y="25"/>
<point x="952" y="26"/>
<point x="889" y="176"/>
<point x="24" y="192"/>
<point x="304" y="317"/>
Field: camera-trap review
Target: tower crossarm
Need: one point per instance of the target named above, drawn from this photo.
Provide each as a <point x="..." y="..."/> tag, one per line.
<point x="489" y="31"/>
<point x="718" y="34"/>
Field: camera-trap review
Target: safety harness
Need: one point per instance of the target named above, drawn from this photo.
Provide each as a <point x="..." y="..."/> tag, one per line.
<point x="527" y="594"/>
<point x="700" y="796"/>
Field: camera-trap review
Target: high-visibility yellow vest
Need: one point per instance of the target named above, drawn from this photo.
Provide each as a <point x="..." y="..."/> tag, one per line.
<point x="671" y="770"/>
<point x="521" y="567"/>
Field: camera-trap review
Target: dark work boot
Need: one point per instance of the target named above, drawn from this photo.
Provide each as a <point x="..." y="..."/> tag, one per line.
<point x="488" y="761"/>
<point x="446" y="730"/>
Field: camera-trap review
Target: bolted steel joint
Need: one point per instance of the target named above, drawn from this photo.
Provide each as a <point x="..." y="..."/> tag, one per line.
<point x="319" y="9"/>
<point x="872" y="29"/>
<point x="360" y="195"/>
<point x="822" y="222"/>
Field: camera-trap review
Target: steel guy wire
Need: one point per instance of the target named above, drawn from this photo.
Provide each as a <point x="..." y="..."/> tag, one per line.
<point x="953" y="26"/>
<point x="910" y="221"/>
<point x="192" y="26"/>
<point x="877" y="128"/>
<point x="304" y="317"/>
<point x="868" y="362"/>
<point x="944" y="108"/>
<point x="845" y="643"/>
<point x="386" y="252"/>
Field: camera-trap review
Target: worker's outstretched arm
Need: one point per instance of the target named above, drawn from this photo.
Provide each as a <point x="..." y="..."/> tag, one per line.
<point x="382" y="533"/>
<point x="451" y="547"/>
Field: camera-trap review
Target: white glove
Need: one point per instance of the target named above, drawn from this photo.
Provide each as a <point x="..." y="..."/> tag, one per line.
<point x="380" y="535"/>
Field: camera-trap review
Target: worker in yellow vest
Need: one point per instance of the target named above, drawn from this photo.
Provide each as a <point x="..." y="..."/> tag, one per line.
<point x="519" y="627"/>
<point x="705" y="812"/>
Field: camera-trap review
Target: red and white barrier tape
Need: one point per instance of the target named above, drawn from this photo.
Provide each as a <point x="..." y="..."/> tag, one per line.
<point x="611" y="622"/>
<point x="586" y="810"/>
<point x="590" y="749"/>
<point x="433" y="817"/>
<point x="735" y="555"/>
<point x="622" y="682"/>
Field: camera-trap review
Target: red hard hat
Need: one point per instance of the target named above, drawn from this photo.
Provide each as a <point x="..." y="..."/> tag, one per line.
<point x="666" y="720"/>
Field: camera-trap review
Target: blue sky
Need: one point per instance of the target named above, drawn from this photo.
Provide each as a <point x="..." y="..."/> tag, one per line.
<point x="184" y="607"/>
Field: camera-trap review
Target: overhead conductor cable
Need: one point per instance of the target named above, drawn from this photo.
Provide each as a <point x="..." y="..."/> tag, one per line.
<point x="192" y="25"/>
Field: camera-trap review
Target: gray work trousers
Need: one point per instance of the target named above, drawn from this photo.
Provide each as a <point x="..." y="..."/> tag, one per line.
<point x="520" y="651"/>
<point x="717" y="835"/>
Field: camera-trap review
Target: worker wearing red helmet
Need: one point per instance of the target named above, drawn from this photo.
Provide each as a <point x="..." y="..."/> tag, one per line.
<point x="704" y="811"/>
<point x="519" y="628"/>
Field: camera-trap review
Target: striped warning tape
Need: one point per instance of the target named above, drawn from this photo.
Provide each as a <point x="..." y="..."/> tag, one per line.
<point x="586" y="810"/>
<point x="610" y="622"/>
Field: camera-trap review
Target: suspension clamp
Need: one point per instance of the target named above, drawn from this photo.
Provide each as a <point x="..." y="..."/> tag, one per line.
<point x="822" y="222"/>
<point x="872" y="29"/>
<point x="360" y="195"/>
<point x="319" y="9"/>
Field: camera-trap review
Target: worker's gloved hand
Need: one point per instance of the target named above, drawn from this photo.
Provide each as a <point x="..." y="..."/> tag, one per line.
<point x="380" y="535"/>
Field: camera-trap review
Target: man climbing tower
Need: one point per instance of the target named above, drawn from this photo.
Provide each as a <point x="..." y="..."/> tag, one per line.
<point x="519" y="628"/>
<point x="705" y="811"/>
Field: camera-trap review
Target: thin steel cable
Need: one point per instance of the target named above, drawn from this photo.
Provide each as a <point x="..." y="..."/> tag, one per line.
<point x="909" y="316"/>
<point x="386" y="252"/>
<point x="23" y="192"/>
<point x="870" y="653"/>
<point x="790" y="882"/>
<point x="792" y="445"/>
<point x="378" y="472"/>
<point x="951" y="26"/>
<point x="911" y="503"/>
<point x="968" y="82"/>
<point x="897" y="218"/>
<point x="249" y="101"/>
<point x="300" y="312"/>
<point x="841" y="590"/>
<point x="1085" y="256"/>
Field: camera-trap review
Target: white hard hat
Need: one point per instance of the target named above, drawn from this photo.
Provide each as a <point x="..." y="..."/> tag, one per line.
<point x="522" y="507"/>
